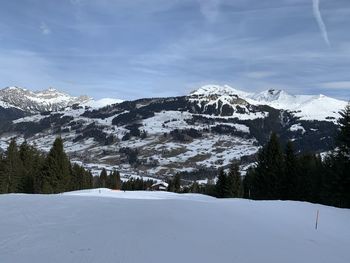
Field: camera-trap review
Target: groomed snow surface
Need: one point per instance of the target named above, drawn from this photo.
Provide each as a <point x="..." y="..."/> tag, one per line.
<point x="114" y="226"/>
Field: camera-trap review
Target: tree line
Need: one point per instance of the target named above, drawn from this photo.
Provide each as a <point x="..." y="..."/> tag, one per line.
<point x="281" y="173"/>
<point x="113" y="181"/>
<point x="228" y="184"/>
<point x="24" y="169"/>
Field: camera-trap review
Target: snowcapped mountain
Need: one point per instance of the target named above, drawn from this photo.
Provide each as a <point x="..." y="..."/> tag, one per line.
<point x="305" y="107"/>
<point x="96" y="104"/>
<point x="211" y="90"/>
<point x="159" y="137"/>
<point x="38" y="101"/>
<point x="272" y="95"/>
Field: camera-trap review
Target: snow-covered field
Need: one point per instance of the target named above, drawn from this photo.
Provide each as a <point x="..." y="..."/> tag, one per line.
<point x="111" y="226"/>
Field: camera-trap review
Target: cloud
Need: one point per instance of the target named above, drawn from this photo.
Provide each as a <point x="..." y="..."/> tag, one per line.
<point x="337" y="85"/>
<point x="45" y="30"/>
<point x="260" y="74"/>
<point x="34" y="69"/>
<point x="321" y="24"/>
<point x="210" y="9"/>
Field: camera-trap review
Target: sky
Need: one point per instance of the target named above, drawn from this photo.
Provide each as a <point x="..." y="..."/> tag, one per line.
<point x="130" y="49"/>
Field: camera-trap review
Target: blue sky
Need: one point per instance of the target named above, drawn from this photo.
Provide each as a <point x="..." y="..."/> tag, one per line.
<point x="150" y="48"/>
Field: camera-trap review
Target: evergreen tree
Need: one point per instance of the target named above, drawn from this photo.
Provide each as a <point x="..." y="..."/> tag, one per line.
<point x="343" y="138"/>
<point x="270" y="170"/>
<point x="32" y="161"/>
<point x="248" y="183"/>
<point x="56" y="173"/>
<point x="114" y="180"/>
<point x="174" y="184"/>
<point x="235" y="182"/>
<point x="310" y="180"/>
<point x="170" y="186"/>
<point x="11" y="181"/>
<point x="344" y="156"/>
<point x="291" y="173"/>
<point x="177" y="183"/>
<point x="222" y="185"/>
<point x="26" y="170"/>
<point x="78" y="180"/>
<point x="338" y="165"/>
<point x="195" y="188"/>
<point x="3" y="176"/>
<point x="103" y="178"/>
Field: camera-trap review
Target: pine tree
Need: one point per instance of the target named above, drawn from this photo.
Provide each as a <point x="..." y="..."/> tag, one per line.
<point x="269" y="174"/>
<point x="291" y="173"/>
<point x="170" y="186"/>
<point x="78" y="174"/>
<point x="174" y="184"/>
<point x="248" y="184"/>
<point x="56" y="173"/>
<point x="222" y="185"/>
<point x="338" y="165"/>
<point x="114" y="180"/>
<point x="235" y="182"/>
<point x="12" y="170"/>
<point x="103" y="178"/>
<point x="343" y="138"/>
<point x="3" y="176"/>
<point x="195" y="188"/>
<point x="32" y="162"/>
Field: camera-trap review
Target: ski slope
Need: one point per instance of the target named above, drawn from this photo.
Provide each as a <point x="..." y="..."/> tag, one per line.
<point x="109" y="226"/>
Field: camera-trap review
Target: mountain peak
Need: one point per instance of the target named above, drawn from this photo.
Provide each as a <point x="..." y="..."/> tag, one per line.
<point x="50" y="90"/>
<point x="271" y="95"/>
<point x="224" y="90"/>
<point x="14" y="89"/>
<point x="45" y="100"/>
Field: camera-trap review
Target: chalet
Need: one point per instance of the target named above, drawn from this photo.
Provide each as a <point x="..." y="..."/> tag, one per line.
<point x="160" y="186"/>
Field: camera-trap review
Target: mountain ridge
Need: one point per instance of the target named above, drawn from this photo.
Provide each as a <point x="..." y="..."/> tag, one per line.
<point x="308" y="107"/>
<point x="158" y="137"/>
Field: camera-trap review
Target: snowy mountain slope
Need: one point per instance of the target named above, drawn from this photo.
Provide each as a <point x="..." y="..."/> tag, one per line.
<point x="306" y="107"/>
<point x="164" y="136"/>
<point x="160" y="227"/>
<point x="225" y="90"/>
<point x="160" y="137"/>
<point x="47" y="100"/>
<point x="100" y="103"/>
<point x="97" y="141"/>
<point x="39" y="101"/>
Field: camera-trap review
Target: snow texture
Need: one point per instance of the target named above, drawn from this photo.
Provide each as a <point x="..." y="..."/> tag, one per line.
<point x="111" y="226"/>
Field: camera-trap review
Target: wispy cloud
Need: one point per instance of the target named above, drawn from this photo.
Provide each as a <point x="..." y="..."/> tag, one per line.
<point x="151" y="47"/>
<point x="44" y="28"/>
<point x="34" y="69"/>
<point x="337" y="85"/>
<point x="260" y="74"/>
<point x="321" y="24"/>
<point x="210" y="9"/>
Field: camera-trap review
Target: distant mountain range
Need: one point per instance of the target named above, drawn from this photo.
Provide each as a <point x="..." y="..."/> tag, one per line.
<point x="193" y="134"/>
<point x="45" y="100"/>
<point x="307" y="107"/>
